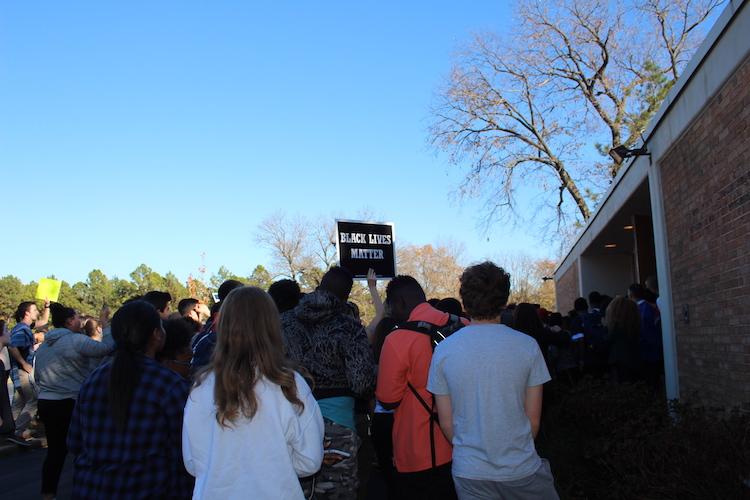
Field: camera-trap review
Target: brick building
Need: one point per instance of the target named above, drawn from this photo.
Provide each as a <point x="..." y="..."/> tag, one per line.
<point x="683" y="214"/>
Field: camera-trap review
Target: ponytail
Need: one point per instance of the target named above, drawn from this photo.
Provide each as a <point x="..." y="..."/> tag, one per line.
<point x="132" y="327"/>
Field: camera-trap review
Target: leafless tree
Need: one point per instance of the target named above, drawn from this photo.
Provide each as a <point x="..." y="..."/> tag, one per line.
<point x="526" y="279"/>
<point x="287" y="238"/>
<point x="527" y="109"/>
<point x="323" y="241"/>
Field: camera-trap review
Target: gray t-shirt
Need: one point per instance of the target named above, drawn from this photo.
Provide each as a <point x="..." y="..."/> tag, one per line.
<point x="486" y="369"/>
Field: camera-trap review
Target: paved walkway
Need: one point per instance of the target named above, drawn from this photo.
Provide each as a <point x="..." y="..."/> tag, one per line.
<point x="21" y="472"/>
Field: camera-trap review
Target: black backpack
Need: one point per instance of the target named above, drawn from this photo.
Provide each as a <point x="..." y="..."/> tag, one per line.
<point x="436" y="334"/>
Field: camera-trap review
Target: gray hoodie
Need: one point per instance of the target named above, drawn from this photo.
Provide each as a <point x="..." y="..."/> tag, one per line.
<point x="63" y="362"/>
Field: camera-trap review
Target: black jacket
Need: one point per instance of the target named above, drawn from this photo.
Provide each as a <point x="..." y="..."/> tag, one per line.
<point x="321" y="335"/>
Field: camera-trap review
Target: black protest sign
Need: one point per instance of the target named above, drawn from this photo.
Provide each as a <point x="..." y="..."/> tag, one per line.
<point x="365" y="245"/>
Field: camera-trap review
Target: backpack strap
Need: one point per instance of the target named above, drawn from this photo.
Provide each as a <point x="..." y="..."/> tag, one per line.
<point x="433" y="421"/>
<point x="453" y="324"/>
<point x="435" y="332"/>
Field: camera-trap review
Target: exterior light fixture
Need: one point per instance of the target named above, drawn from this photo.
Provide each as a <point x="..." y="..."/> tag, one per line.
<point x="629" y="227"/>
<point x="610" y="245"/>
<point x="621" y="152"/>
<point x="547" y="278"/>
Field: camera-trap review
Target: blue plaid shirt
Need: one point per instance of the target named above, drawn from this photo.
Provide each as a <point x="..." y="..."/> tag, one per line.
<point x="144" y="461"/>
<point x="22" y="338"/>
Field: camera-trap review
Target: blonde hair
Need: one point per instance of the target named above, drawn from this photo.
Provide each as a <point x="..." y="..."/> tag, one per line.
<point x="622" y="313"/>
<point x="248" y="348"/>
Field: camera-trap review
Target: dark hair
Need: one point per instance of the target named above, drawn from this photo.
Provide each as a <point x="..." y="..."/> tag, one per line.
<point x="22" y="309"/>
<point x="227" y="287"/>
<point x="196" y="326"/>
<point x="215" y="309"/>
<point x="185" y="305"/>
<point x="403" y="286"/>
<point x="526" y="320"/>
<point x="382" y="329"/>
<point x="132" y="327"/>
<point x="353" y="310"/>
<point x="160" y="300"/>
<point x="60" y="314"/>
<point x="337" y="281"/>
<point x="433" y="302"/>
<point x="506" y="316"/>
<point x="581" y="305"/>
<point x="595" y="299"/>
<point x="450" y="305"/>
<point x="484" y="290"/>
<point x="285" y="294"/>
<point x="649" y="296"/>
<point x="555" y="319"/>
<point x="178" y="334"/>
<point x="637" y="291"/>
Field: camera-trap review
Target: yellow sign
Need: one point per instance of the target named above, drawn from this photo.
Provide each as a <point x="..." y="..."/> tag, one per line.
<point x="48" y="289"/>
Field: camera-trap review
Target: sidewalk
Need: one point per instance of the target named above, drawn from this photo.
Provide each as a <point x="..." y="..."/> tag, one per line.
<point x="21" y="473"/>
<point x="9" y="448"/>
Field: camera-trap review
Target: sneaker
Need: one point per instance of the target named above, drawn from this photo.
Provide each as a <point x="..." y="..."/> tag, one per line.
<point x="18" y="441"/>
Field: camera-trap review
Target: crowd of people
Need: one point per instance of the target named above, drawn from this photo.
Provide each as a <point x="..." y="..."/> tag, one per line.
<point x="276" y="394"/>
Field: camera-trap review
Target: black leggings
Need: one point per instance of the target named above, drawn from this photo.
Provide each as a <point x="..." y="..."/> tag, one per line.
<point x="56" y="415"/>
<point x="8" y="426"/>
<point x="382" y="439"/>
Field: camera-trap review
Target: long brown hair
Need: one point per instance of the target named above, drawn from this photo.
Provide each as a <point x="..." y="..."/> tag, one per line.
<point x="248" y="348"/>
<point x="622" y="313"/>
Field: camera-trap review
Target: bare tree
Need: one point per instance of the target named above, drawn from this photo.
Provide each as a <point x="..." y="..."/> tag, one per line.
<point x="527" y="283"/>
<point x="287" y="239"/>
<point x="323" y="241"/>
<point x="522" y="110"/>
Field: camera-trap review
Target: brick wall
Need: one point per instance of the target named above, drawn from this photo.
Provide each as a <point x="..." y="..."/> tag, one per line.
<point x="706" y="190"/>
<point x="566" y="289"/>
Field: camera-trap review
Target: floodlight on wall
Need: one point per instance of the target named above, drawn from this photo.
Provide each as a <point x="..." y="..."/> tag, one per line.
<point x="621" y="152"/>
<point x="610" y="245"/>
<point x="547" y="278"/>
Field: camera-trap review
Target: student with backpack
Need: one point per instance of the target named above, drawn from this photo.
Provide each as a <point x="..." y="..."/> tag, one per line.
<point x="422" y="454"/>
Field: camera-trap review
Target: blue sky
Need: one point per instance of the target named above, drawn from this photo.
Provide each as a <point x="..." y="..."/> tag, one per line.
<point x="157" y="131"/>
